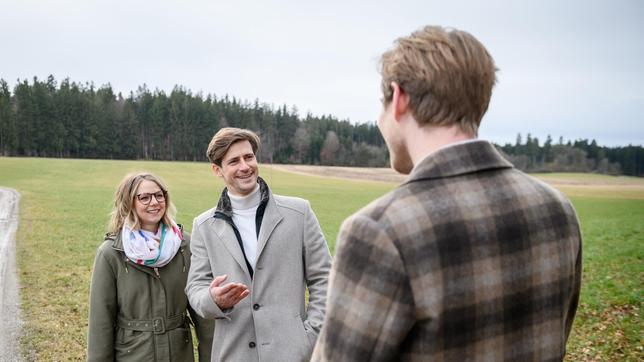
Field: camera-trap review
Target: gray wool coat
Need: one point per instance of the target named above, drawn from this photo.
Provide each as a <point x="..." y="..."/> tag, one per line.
<point x="138" y="313"/>
<point x="273" y="323"/>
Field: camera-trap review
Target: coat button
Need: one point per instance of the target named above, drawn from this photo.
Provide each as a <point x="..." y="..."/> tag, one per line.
<point x="251" y="345"/>
<point x="256" y="306"/>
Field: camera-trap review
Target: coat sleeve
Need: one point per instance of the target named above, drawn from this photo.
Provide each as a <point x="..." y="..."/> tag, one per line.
<point x="103" y="308"/>
<point x="199" y="279"/>
<point x="317" y="265"/>
<point x="370" y="308"/>
<point x="576" y="273"/>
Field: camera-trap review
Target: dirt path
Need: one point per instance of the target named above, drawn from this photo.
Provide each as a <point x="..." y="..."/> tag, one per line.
<point x="621" y="187"/>
<point x="364" y="173"/>
<point x="10" y="322"/>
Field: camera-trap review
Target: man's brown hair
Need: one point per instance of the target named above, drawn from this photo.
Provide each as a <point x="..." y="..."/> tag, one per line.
<point x="447" y="74"/>
<point x="224" y="138"/>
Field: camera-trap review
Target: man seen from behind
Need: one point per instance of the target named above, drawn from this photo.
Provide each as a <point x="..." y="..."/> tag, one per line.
<point x="469" y="258"/>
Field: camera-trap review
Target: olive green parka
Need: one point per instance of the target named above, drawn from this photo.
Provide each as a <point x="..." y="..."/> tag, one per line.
<point x="139" y="313"/>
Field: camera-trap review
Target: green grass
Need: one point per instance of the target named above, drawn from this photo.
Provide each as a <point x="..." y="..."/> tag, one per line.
<point x="64" y="212"/>
<point x="65" y="206"/>
<point x="608" y="325"/>
<point x="590" y="178"/>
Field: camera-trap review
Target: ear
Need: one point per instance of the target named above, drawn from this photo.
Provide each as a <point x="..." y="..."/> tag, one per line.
<point x="216" y="169"/>
<point x="399" y="101"/>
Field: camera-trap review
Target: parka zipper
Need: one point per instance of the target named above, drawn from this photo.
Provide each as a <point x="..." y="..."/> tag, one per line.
<point x="156" y="271"/>
<point x="183" y="257"/>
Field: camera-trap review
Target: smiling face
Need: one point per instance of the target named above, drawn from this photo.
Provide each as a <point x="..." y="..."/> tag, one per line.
<point x="238" y="169"/>
<point x="151" y="214"/>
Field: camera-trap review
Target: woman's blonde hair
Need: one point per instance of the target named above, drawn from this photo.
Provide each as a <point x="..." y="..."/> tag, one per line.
<point x="124" y="201"/>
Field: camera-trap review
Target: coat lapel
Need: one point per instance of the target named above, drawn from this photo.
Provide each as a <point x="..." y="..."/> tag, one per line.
<point x="271" y="219"/>
<point x="227" y="237"/>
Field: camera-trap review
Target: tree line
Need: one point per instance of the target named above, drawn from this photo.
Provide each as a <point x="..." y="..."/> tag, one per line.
<point x="579" y="156"/>
<point x="45" y="118"/>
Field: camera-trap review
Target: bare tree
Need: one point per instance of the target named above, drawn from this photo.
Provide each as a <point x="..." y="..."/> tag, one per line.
<point x="301" y="143"/>
<point x="329" y="148"/>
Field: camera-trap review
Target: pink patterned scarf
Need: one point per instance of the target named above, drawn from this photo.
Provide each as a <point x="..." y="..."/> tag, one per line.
<point x="151" y="249"/>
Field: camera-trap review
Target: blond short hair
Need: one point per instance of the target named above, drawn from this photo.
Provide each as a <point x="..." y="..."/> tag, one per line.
<point x="124" y="198"/>
<point x="225" y="137"/>
<point x="447" y="74"/>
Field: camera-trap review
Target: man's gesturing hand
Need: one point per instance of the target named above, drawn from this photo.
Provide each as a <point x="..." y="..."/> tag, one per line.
<point x="228" y="295"/>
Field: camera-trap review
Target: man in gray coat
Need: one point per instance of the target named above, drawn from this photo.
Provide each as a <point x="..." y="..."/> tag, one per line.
<point x="253" y="257"/>
<point x="469" y="259"/>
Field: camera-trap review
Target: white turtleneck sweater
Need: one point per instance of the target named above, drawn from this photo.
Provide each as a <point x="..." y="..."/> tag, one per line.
<point x="244" y="210"/>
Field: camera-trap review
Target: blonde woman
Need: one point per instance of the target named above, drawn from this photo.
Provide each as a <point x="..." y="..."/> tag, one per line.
<point x="138" y="310"/>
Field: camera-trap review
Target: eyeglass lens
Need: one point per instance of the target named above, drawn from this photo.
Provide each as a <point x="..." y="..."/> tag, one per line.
<point x="147" y="198"/>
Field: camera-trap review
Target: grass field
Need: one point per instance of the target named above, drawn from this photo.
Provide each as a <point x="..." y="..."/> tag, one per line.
<point x="65" y="206"/>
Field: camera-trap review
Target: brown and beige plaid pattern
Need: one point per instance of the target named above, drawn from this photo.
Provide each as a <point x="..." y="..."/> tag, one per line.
<point x="468" y="260"/>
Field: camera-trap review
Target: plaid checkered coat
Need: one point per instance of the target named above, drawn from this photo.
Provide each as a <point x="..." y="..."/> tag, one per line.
<point x="469" y="259"/>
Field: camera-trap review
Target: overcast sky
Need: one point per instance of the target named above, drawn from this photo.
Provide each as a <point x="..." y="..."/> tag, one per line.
<point x="567" y="68"/>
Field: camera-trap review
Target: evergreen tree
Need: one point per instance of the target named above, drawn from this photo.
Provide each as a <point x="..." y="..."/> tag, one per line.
<point x="8" y="131"/>
<point x="76" y="120"/>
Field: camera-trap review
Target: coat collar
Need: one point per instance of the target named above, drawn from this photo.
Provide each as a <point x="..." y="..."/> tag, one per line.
<point x="225" y="207"/>
<point x="459" y="159"/>
<point x="270" y="219"/>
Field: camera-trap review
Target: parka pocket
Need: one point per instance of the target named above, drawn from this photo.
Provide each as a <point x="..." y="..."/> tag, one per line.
<point x="133" y="345"/>
<point x="181" y="344"/>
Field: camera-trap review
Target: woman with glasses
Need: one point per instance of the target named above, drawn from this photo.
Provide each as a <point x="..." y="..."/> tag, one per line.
<point x="138" y="310"/>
